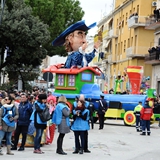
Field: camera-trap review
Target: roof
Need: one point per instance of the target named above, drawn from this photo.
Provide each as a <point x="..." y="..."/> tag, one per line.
<point x="58" y="69"/>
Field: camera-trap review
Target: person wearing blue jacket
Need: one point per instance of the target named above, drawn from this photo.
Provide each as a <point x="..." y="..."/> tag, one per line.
<point x="80" y="125"/>
<point x="61" y="119"/>
<point x="39" y="106"/>
<point x="25" y="110"/>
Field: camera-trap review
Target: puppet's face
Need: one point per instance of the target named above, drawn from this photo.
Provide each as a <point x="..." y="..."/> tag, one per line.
<point x="76" y="39"/>
<point x="51" y="102"/>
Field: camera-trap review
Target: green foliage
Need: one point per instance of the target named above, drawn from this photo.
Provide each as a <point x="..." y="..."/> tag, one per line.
<point x="58" y="15"/>
<point x="23" y="34"/>
<point x="28" y="30"/>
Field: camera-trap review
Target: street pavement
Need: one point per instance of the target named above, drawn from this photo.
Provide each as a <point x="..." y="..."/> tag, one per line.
<point x="114" y="142"/>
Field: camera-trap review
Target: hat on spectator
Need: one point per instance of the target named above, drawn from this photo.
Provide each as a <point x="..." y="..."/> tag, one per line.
<point x="102" y="96"/>
<point x="80" y="25"/>
<point x="42" y="96"/>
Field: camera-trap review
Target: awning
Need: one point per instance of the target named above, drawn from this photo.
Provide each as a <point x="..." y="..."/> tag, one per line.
<point x="107" y="44"/>
<point x="109" y="20"/>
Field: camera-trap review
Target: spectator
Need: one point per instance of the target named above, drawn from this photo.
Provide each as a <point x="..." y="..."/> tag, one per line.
<point x="8" y="115"/>
<point x="145" y="115"/>
<point x="137" y="111"/>
<point x="40" y="105"/>
<point x="61" y="118"/>
<point x="91" y="111"/>
<point x="25" y="111"/>
<point x="80" y="125"/>
<point x="102" y="108"/>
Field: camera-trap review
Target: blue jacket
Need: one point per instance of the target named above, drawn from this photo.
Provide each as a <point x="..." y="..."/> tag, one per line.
<point x="79" y="123"/>
<point x="76" y="59"/>
<point x="25" y="111"/>
<point x="38" y="120"/>
<point x="57" y="116"/>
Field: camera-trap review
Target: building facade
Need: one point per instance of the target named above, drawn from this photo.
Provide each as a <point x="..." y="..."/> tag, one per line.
<point x="153" y="57"/>
<point x="125" y="38"/>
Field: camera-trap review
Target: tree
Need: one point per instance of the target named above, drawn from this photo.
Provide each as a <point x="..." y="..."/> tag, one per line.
<point x="58" y="15"/>
<point x="24" y="35"/>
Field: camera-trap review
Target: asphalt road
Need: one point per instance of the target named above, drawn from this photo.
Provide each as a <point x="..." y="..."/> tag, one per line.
<point x="114" y="142"/>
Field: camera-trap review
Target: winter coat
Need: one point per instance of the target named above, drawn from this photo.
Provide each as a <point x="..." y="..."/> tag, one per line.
<point x="59" y="115"/>
<point x="25" y="110"/>
<point x="15" y="116"/>
<point x="76" y="59"/>
<point x="102" y="106"/>
<point x="146" y="113"/>
<point x="39" y="107"/>
<point x="81" y="122"/>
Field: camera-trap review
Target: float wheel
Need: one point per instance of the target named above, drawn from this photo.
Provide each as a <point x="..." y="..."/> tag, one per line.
<point x="129" y="118"/>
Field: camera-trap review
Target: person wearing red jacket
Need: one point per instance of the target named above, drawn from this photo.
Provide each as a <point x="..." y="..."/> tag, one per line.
<point x="145" y="115"/>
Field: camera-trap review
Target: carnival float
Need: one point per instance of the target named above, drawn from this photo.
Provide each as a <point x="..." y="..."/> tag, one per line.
<point x="75" y="81"/>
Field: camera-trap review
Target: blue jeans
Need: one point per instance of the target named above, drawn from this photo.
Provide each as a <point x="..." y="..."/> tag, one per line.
<point x="37" y="139"/>
<point x="8" y="137"/>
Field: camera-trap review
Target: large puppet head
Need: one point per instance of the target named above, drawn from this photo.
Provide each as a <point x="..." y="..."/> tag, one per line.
<point x="74" y="36"/>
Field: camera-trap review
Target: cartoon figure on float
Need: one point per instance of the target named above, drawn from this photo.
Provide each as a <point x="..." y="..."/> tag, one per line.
<point x="74" y="40"/>
<point x="118" y="81"/>
<point x="50" y="130"/>
<point x="135" y="74"/>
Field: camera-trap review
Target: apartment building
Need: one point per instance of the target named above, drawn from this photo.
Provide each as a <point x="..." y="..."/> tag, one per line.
<point x="126" y="39"/>
<point x="153" y="57"/>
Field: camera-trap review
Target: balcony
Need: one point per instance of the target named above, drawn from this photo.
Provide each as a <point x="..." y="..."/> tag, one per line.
<point x="135" y="52"/>
<point x="111" y="59"/>
<point x="152" y="58"/>
<point x="108" y="34"/>
<point x="137" y="21"/>
<point x="151" y="24"/>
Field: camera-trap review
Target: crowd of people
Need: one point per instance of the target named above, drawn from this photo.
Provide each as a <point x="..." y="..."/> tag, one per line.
<point x="20" y="110"/>
<point x="156" y="14"/>
<point x="154" y="53"/>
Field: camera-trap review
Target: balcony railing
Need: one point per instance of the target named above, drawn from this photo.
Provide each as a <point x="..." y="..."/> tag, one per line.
<point x="152" y="24"/>
<point x="132" y="52"/>
<point x="108" y="34"/>
<point x="111" y="59"/>
<point x="153" y="58"/>
<point x="136" y="21"/>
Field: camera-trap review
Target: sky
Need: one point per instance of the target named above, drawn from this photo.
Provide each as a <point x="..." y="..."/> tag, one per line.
<point x="94" y="10"/>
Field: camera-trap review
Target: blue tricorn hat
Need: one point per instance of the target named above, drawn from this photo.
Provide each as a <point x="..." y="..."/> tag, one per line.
<point x="80" y="25"/>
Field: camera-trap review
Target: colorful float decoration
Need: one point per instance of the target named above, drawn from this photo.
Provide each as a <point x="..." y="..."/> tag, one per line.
<point x="75" y="81"/>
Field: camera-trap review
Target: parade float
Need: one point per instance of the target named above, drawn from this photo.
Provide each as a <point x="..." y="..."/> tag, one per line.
<point x="75" y="81"/>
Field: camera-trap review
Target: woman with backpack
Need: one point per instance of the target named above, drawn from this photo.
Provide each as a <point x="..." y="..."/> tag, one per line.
<point x="39" y="106"/>
<point x="8" y="116"/>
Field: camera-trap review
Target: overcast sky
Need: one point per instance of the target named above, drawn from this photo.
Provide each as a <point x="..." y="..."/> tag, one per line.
<point x="94" y="10"/>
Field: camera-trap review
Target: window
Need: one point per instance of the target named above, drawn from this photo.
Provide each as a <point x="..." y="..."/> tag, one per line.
<point x="158" y="41"/>
<point x="61" y="80"/>
<point x="124" y="48"/>
<point x="86" y="76"/>
<point x="71" y="80"/>
<point x="126" y="18"/>
<point x="128" y="43"/>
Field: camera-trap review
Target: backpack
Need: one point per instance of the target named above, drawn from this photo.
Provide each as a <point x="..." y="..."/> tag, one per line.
<point x="7" y="114"/>
<point x="45" y="114"/>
